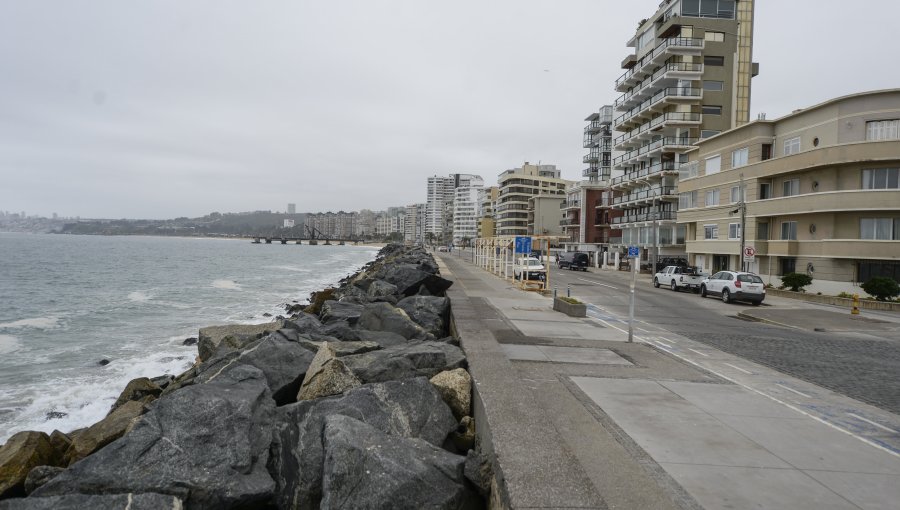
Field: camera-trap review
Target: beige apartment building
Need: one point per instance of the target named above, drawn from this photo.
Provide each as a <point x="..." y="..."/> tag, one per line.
<point x="517" y="187"/>
<point x="686" y="78"/>
<point x="821" y="194"/>
<point x="487" y="201"/>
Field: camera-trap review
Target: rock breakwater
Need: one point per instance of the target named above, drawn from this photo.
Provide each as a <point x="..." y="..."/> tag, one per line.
<point x="361" y="399"/>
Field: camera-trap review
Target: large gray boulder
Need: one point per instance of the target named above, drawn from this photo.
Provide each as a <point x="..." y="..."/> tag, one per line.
<point x="234" y="335"/>
<point x="303" y="323"/>
<point x="105" y="431"/>
<point x="430" y="312"/>
<point x="366" y="468"/>
<point x="409" y="277"/>
<point x="382" y="338"/>
<point x="386" y="317"/>
<point x="410" y="408"/>
<point x="327" y="376"/>
<point x="283" y="362"/>
<point x="456" y="388"/>
<point x="22" y="452"/>
<point x="340" y="348"/>
<point x="141" y="389"/>
<point x="40" y="475"/>
<point x="336" y="311"/>
<point x="415" y="359"/>
<point x="207" y="444"/>
<point x="380" y="289"/>
<point x="147" y="501"/>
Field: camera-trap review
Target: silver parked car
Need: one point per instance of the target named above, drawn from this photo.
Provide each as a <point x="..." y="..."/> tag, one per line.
<point x="734" y="286"/>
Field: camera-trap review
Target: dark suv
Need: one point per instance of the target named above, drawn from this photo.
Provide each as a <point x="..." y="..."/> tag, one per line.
<point x="573" y="260"/>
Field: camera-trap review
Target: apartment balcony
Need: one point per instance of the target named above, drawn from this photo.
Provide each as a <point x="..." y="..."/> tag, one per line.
<point x="647" y="196"/>
<point x="592" y="157"/>
<point x="635" y="177"/>
<point x="603" y="203"/>
<point x="656" y="103"/>
<point x="663" y="77"/>
<point x="574" y="204"/>
<point x="653" y="149"/>
<point x="569" y="224"/>
<point x="648" y="129"/>
<point x="665" y="50"/>
<point x="644" y="217"/>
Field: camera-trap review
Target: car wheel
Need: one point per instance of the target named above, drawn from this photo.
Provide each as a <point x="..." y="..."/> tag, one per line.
<point x="703" y="291"/>
<point x="726" y="296"/>
<point x="757" y="303"/>
<point x="656" y="283"/>
<point x="674" y="286"/>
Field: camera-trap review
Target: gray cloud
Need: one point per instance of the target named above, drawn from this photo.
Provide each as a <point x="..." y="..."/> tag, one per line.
<point x="171" y="108"/>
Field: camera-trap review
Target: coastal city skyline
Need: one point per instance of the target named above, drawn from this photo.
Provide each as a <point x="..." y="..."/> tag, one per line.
<point x="106" y="126"/>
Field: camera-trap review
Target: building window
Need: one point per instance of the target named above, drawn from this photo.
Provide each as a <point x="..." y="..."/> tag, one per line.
<point x="712" y="198"/>
<point x="792" y="146"/>
<point x="734" y="231"/>
<point x="714" y="36"/>
<point x="723" y="9"/>
<point x="713" y="165"/>
<point x="739" y="157"/>
<point x="869" y="270"/>
<point x="788" y="230"/>
<point x="791" y="187"/>
<point x="883" y="130"/>
<point x="680" y="231"/>
<point x="710" y="231"/>
<point x="706" y="133"/>
<point x="883" y="229"/>
<point x="736" y="194"/>
<point x="713" y="84"/>
<point x="881" y="178"/>
<point x="788" y="265"/>
<point x="766" y="151"/>
<point x="765" y="190"/>
<point x="712" y="61"/>
<point x="710" y="109"/>
<point x="687" y="200"/>
<point x="762" y="231"/>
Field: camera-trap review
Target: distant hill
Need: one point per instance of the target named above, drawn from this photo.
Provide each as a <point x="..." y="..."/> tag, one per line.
<point x="258" y="223"/>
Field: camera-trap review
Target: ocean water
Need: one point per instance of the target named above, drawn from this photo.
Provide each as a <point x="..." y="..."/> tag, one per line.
<point x="68" y="302"/>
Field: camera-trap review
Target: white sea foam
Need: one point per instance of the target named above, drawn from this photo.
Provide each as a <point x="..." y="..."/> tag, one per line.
<point x="9" y="344"/>
<point x="138" y="296"/>
<point x="37" y="323"/>
<point x="226" y="284"/>
<point x="293" y="269"/>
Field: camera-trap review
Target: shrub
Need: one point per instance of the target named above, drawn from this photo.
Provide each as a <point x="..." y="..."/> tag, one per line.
<point x="845" y="295"/>
<point x="796" y="281"/>
<point x="884" y="289"/>
<point x="570" y="300"/>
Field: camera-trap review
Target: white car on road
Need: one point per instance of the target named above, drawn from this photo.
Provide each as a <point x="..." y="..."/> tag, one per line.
<point x="532" y="268"/>
<point x="734" y="286"/>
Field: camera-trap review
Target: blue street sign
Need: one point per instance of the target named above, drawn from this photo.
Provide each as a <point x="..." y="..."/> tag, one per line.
<point x="523" y="244"/>
<point x="634" y="252"/>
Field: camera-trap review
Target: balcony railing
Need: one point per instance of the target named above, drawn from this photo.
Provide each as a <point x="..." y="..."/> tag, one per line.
<point x="636" y="218"/>
<point x="569" y="223"/>
<point x="673" y="42"/>
<point x="666" y="141"/>
<point x="604" y="201"/>
<point x="574" y="204"/>
<point x="665" y="166"/>
<point x="670" y="118"/>
<point x="646" y="194"/>
<point x="592" y="157"/>
<point x="667" y="93"/>
<point x="641" y="89"/>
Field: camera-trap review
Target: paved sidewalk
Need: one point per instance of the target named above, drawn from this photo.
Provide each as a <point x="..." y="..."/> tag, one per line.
<point x="578" y="418"/>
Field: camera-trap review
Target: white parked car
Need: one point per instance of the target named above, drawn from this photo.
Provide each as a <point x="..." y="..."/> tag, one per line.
<point x="735" y="286"/>
<point x="532" y="268"/>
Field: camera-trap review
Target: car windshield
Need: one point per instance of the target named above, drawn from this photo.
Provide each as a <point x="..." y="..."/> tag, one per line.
<point x="749" y="278"/>
<point x="532" y="262"/>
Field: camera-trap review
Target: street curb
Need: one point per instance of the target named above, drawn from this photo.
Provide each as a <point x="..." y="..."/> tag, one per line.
<point x="745" y="316"/>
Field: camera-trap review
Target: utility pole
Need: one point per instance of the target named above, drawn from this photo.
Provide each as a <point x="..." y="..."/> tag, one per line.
<point x="655" y="253"/>
<point x="743" y="208"/>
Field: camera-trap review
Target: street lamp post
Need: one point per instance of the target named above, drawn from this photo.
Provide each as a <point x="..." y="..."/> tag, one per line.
<point x="655" y="252"/>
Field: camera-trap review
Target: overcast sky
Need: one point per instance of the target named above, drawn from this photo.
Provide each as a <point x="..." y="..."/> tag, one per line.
<point x="158" y="109"/>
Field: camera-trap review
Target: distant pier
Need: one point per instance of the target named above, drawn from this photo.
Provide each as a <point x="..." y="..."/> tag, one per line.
<point x="300" y="240"/>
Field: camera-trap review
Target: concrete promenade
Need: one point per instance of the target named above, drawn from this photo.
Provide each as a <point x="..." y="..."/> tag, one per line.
<point x="578" y="418"/>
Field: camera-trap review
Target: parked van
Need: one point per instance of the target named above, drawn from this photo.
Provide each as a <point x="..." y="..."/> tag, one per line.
<point x="573" y="260"/>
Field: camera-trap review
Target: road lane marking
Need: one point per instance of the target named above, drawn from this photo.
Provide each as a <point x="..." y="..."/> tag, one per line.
<point x="882" y="427"/>
<point x="597" y="283"/>
<point x="667" y="345"/>
<point x="793" y="390"/>
<point x="739" y="369"/>
<point x="698" y="352"/>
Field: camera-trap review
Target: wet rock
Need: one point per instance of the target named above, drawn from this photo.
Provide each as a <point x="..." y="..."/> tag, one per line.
<point x="60" y="443"/>
<point x="21" y="453"/>
<point x="190" y="341"/>
<point x="162" y="381"/>
<point x="429" y="312"/>
<point x="236" y="335"/>
<point x="137" y="389"/>
<point x="96" y="502"/>
<point x="103" y="432"/>
<point x="206" y="444"/>
<point x="327" y="375"/>
<point x="303" y="323"/>
<point x="103" y="362"/>
<point x="404" y="361"/>
<point x="267" y="314"/>
<point x="283" y="363"/>
<point x="410" y="408"/>
<point x="365" y="467"/>
<point x="40" y="475"/>
<point x="55" y="415"/>
<point x="385" y="317"/>
<point x="455" y="387"/>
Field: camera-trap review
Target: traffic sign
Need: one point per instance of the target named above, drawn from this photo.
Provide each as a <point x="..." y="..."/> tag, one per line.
<point x="749" y="254"/>
<point x="523" y="244"/>
<point x="634" y="252"/>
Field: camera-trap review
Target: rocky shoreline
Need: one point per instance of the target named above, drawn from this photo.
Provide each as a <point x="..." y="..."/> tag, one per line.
<point x="359" y="400"/>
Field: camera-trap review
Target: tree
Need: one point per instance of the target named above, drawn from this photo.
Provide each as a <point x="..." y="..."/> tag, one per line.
<point x="429" y="238"/>
<point x="882" y="288"/>
<point x="796" y="281"/>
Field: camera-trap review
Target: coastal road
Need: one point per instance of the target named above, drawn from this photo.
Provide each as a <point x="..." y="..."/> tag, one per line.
<point x="862" y="365"/>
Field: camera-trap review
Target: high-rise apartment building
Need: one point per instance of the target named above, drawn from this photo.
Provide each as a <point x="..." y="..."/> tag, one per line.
<point x="292" y="209"/>
<point x="414" y="224"/>
<point x="465" y="209"/>
<point x="687" y="79"/>
<point x="330" y="225"/>
<point x="487" y="203"/>
<point x="517" y="187"/>
<point x="439" y="203"/>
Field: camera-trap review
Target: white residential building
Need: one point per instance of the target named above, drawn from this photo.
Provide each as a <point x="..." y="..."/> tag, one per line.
<point x="465" y="209"/>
